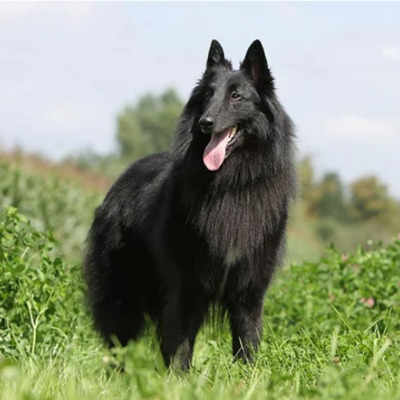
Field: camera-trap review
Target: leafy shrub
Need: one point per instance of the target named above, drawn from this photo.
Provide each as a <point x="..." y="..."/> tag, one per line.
<point x="41" y="303"/>
<point x="50" y="204"/>
<point x="354" y="291"/>
<point x="331" y="331"/>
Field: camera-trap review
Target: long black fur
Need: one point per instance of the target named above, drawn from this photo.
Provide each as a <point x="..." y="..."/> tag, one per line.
<point x="172" y="238"/>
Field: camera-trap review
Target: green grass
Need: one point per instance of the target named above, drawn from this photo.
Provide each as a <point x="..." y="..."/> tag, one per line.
<point x="50" y="203"/>
<point x="331" y="331"/>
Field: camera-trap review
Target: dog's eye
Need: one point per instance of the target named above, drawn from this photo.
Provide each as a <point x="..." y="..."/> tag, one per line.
<point x="235" y="95"/>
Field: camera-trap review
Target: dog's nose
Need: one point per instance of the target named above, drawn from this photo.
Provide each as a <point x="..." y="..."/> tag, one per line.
<point x="206" y="124"/>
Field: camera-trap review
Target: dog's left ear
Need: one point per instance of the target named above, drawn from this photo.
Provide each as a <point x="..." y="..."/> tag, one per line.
<point x="256" y="66"/>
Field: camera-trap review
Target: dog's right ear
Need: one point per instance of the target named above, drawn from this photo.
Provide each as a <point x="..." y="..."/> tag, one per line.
<point x="215" y="55"/>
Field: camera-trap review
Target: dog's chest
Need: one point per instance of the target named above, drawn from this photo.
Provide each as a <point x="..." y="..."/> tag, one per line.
<point x="231" y="258"/>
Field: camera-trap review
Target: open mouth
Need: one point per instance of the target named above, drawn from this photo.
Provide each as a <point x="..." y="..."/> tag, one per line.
<point x="216" y="150"/>
<point x="233" y="135"/>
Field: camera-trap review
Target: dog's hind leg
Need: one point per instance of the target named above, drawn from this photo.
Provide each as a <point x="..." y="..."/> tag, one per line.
<point x="179" y="325"/>
<point x="118" y="322"/>
<point x="120" y="305"/>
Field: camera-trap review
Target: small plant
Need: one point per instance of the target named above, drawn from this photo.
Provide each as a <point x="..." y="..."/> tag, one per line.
<point x="40" y="297"/>
<point x="50" y="203"/>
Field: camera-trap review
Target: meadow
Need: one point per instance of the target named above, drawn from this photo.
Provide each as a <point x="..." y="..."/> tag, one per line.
<point x="331" y="324"/>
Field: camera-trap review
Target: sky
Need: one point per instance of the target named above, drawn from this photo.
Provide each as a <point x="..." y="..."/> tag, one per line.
<point x="68" y="69"/>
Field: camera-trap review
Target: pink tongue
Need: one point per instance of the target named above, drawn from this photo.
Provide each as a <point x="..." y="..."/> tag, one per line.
<point x="214" y="153"/>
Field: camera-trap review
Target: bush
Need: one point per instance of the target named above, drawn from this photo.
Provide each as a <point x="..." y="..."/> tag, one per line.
<point x="41" y="302"/>
<point x="330" y="331"/>
<point x="357" y="291"/>
<point x="50" y="203"/>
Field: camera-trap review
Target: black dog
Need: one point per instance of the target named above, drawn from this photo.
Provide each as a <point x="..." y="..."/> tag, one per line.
<point x="203" y="224"/>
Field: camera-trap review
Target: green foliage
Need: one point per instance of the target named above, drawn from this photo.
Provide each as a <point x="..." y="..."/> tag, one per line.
<point x="307" y="179"/>
<point x="148" y="126"/>
<point x="369" y="199"/>
<point x="325" y="198"/>
<point x="331" y="202"/>
<point x="143" y="128"/>
<point x="346" y="216"/>
<point x="40" y="297"/>
<point x="50" y="203"/>
<point x="334" y="291"/>
<point x="331" y="327"/>
<point x="331" y="330"/>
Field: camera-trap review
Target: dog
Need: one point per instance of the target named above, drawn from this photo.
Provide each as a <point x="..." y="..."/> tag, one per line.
<point x="202" y="225"/>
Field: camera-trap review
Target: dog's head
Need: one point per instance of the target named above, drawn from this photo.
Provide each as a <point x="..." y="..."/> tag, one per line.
<point x="231" y="103"/>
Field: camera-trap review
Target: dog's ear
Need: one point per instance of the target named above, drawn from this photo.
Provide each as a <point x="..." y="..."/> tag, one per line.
<point x="215" y="55"/>
<point x="256" y="66"/>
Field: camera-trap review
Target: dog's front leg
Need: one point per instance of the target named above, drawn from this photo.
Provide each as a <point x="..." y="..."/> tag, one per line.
<point x="245" y="316"/>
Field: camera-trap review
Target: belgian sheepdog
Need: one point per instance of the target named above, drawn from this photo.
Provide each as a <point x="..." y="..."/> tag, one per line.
<point x="202" y="225"/>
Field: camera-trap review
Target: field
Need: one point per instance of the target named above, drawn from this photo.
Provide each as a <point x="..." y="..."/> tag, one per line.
<point x="331" y="325"/>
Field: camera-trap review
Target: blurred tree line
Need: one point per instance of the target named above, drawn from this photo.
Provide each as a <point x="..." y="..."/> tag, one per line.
<point x="364" y="199"/>
<point x="148" y="126"/>
<point x="142" y="128"/>
<point x="346" y="214"/>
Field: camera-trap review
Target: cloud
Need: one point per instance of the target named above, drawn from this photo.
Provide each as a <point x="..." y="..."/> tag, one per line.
<point x="76" y="12"/>
<point x="63" y="113"/>
<point x="15" y="11"/>
<point x="290" y="12"/>
<point x="362" y="128"/>
<point x="391" y="52"/>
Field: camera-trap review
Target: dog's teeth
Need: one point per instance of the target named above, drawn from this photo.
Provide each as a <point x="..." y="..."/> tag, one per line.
<point x="233" y="131"/>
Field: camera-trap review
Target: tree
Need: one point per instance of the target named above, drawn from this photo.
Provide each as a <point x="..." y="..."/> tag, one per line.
<point x="369" y="199"/>
<point x="331" y="202"/>
<point x="322" y="198"/>
<point x="306" y="176"/>
<point x="148" y="126"/>
<point x="309" y="192"/>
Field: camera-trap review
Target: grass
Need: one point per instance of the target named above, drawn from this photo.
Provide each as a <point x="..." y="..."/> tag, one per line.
<point x="331" y="325"/>
<point x="308" y="364"/>
<point x="60" y="198"/>
<point x="51" y="202"/>
<point x="331" y="331"/>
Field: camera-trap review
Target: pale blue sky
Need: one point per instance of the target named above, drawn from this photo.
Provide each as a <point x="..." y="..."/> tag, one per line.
<point x="67" y="69"/>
